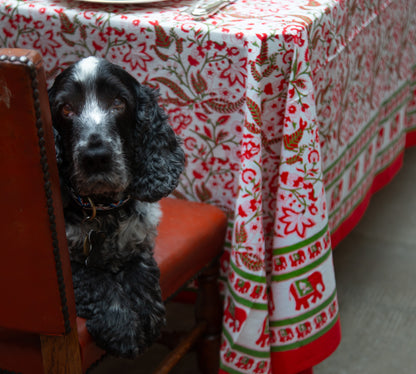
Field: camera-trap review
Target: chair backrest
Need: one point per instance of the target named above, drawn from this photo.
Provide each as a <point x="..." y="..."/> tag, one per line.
<point x="36" y="292"/>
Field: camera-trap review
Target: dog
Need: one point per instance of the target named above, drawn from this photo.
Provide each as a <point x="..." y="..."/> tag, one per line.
<point x="117" y="157"/>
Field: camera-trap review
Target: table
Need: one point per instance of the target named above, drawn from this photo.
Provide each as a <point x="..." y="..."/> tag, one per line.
<point x="292" y="115"/>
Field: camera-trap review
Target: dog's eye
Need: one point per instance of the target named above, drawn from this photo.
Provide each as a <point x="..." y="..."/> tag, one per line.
<point x="67" y="110"/>
<point x="118" y="105"/>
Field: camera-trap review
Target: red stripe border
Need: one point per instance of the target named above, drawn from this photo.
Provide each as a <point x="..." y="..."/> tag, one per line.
<point x="411" y="138"/>
<point x="304" y="358"/>
<point x="380" y="180"/>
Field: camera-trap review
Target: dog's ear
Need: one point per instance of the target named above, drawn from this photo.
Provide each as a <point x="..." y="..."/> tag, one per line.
<point x="158" y="157"/>
<point x="59" y="162"/>
<point x="56" y="135"/>
<point x="58" y="149"/>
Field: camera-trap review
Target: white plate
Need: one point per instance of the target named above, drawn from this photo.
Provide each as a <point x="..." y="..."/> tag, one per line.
<point x="122" y="1"/>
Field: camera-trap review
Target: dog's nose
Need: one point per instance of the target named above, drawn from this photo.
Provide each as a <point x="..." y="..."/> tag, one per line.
<point x="96" y="157"/>
<point x="95" y="140"/>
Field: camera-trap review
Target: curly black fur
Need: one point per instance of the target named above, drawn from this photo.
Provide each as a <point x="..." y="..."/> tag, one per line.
<point x="113" y="143"/>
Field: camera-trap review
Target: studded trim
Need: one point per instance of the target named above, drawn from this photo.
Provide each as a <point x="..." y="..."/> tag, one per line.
<point x="23" y="60"/>
<point x="4" y="371"/>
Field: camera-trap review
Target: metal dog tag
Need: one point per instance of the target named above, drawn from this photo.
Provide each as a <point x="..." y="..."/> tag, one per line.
<point x="93" y="241"/>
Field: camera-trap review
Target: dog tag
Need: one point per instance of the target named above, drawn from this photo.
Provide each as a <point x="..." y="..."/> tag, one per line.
<point x="92" y="243"/>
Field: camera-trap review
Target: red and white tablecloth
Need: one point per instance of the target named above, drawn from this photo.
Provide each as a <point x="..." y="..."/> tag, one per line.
<point x="292" y="114"/>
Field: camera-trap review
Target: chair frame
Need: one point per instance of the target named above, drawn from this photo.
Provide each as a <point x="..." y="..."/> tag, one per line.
<point x="61" y="352"/>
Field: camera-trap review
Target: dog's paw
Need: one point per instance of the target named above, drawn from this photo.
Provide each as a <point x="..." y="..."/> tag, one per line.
<point x="84" y="311"/>
<point x="118" y="332"/>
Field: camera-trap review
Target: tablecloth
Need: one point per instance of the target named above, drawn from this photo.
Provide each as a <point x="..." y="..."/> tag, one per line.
<point x="292" y="113"/>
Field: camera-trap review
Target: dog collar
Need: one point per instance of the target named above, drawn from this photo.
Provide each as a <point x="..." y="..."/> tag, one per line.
<point x="87" y="204"/>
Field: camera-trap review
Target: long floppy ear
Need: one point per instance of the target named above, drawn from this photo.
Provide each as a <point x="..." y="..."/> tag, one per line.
<point x="58" y="149"/>
<point x="57" y="136"/>
<point x="59" y="162"/>
<point x="158" y="157"/>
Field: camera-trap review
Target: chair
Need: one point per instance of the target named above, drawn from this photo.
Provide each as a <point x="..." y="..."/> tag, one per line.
<point x="39" y="330"/>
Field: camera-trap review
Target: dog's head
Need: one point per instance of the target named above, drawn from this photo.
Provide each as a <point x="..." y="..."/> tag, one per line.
<point x="112" y="138"/>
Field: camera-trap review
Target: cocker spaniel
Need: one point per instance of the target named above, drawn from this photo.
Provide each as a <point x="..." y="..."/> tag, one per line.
<point x="117" y="156"/>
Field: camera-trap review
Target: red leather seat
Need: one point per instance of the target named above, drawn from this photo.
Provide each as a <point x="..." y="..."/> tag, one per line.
<point x="39" y="331"/>
<point x="190" y="236"/>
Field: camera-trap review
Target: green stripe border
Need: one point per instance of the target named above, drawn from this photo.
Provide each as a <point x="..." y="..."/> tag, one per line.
<point x="365" y="178"/>
<point x="397" y="92"/>
<point x="304" y="243"/>
<point x="303" y="270"/>
<point x="245" y="302"/>
<point x="308" y="340"/>
<point x="247" y="351"/>
<point x="249" y="276"/>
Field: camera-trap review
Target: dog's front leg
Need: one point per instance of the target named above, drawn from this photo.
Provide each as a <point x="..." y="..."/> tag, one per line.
<point x="140" y="280"/>
<point x="115" y="325"/>
<point x="112" y="320"/>
<point x="90" y="285"/>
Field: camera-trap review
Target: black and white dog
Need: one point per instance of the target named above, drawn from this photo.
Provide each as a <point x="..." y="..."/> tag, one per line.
<point x="117" y="156"/>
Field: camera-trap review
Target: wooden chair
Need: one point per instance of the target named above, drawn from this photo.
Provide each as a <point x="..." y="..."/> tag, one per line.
<point x="39" y="331"/>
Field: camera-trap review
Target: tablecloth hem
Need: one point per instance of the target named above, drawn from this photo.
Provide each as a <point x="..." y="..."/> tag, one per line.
<point x="380" y="180"/>
<point x="308" y="356"/>
<point x="411" y="138"/>
<point x="298" y="360"/>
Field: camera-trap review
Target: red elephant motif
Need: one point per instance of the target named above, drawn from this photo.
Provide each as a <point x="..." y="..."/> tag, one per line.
<point x="395" y="126"/>
<point x="368" y="159"/>
<point x="333" y="309"/>
<point x="336" y="195"/>
<point x="280" y="263"/>
<point x="354" y="175"/>
<point x="229" y="356"/>
<point x="303" y="329"/>
<point x="264" y="337"/>
<point x="257" y="291"/>
<point x="245" y="363"/>
<point x="261" y="367"/>
<point x="315" y="250"/>
<point x="241" y="285"/>
<point x="297" y="258"/>
<point x="380" y="138"/>
<point x="326" y="240"/>
<point x="307" y="289"/>
<point x="320" y="320"/>
<point x="285" y="335"/>
<point x="237" y="315"/>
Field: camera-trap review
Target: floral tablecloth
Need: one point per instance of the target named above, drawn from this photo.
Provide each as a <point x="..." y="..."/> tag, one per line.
<point x="292" y="114"/>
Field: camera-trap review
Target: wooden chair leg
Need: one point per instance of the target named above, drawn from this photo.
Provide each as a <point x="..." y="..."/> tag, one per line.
<point x="61" y="354"/>
<point x="181" y="349"/>
<point x="209" y="309"/>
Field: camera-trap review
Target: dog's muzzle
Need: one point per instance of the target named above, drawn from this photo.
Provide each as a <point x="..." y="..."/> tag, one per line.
<point x="96" y="156"/>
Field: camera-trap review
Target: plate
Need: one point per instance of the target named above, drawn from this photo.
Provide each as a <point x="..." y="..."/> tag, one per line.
<point x="122" y="1"/>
